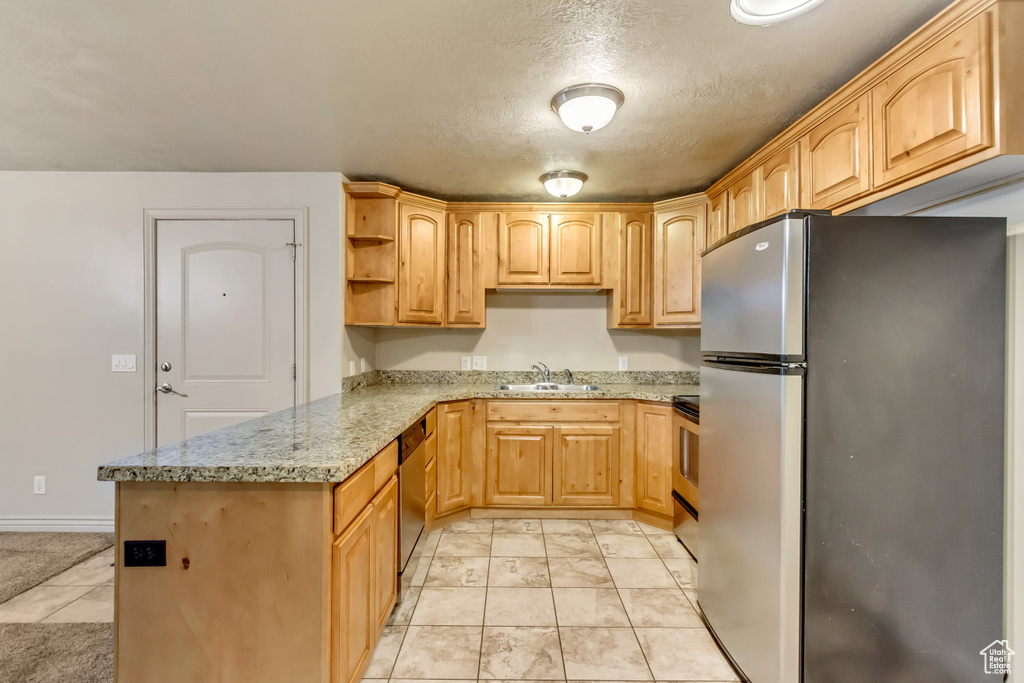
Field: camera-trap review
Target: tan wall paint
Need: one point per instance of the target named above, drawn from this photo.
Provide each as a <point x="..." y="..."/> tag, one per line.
<point x="71" y="273"/>
<point x="561" y="330"/>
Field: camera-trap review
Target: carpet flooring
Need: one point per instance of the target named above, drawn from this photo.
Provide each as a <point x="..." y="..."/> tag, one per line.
<point x="56" y="653"/>
<point x="27" y="559"/>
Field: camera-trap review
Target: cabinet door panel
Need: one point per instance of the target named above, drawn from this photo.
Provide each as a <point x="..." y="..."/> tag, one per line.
<point x="745" y="202"/>
<point x="465" y="271"/>
<point x="385" y="534"/>
<point x="781" y="182"/>
<point x="353" y="622"/>
<point x="936" y="108"/>
<point x="454" y="443"/>
<point x="421" y="265"/>
<point x="585" y="466"/>
<point x="633" y="291"/>
<point x="837" y="156"/>
<point x="575" y="249"/>
<point x="718" y="218"/>
<point x="678" y="243"/>
<point x="518" y="466"/>
<point x="654" y="458"/>
<point x="523" y="249"/>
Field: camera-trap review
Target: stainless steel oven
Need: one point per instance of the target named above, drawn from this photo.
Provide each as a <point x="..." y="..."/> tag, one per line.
<point x="686" y="471"/>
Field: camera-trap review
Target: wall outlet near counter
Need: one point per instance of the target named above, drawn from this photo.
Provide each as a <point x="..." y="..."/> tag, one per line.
<point x="623" y="362"/>
<point x="467" y="362"/>
<point x="362" y="365"/>
<point x="479" y="362"/>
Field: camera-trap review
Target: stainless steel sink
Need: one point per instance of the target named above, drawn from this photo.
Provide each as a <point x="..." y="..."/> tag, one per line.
<point x="547" y="387"/>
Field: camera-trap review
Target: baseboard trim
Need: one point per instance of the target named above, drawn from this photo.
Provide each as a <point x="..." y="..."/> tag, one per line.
<point x="83" y="523"/>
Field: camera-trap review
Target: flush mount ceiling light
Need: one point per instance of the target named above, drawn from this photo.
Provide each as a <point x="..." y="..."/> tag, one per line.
<point x="768" y="12"/>
<point x="563" y="184"/>
<point x="588" y="106"/>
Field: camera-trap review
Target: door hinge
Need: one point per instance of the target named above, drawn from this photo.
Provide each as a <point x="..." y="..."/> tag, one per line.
<point x="294" y="246"/>
<point x="293" y="371"/>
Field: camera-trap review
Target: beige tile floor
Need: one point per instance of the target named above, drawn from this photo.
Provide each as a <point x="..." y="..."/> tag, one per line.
<point x="84" y="593"/>
<point x="551" y="600"/>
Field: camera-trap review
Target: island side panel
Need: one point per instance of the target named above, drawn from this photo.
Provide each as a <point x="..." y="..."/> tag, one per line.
<point x="253" y="603"/>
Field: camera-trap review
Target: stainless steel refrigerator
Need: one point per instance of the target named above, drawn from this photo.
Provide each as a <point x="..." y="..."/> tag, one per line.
<point x="852" y="447"/>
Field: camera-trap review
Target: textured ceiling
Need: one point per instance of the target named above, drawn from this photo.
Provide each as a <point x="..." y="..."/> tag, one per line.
<point x="446" y="97"/>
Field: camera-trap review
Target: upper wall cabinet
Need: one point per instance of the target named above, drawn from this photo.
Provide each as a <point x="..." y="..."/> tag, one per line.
<point x="936" y="108"/>
<point x="745" y="203"/>
<point x="630" y="300"/>
<point x="371" y="253"/>
<point x="678" y="244"/>
<point x="523" y="249"/>
<point x="539" y="249"/>
<point x="575" y="249"/>
<point x="781" y="181"/>
<point x="837" y="156"/>
<point x="465" y="271"/>
<point x="421" y="272"/>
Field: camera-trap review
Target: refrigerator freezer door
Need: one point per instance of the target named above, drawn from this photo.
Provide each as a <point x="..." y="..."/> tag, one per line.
<point x="749" y="574"/>
<point x="753" y="294"/>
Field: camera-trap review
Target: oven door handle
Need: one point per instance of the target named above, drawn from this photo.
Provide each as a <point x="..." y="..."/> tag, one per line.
<point x="686" y="504"/>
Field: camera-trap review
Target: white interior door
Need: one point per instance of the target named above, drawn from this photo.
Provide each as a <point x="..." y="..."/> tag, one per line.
<point x="225" y="323"/>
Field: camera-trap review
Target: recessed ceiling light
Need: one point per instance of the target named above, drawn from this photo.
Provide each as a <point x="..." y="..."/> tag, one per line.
<point x="588" y="106"/>
<point x="768" y="12"/>
<point x="563" y="184"/>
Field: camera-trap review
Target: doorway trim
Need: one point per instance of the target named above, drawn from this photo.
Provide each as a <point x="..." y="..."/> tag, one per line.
<point x="300" y="220"/>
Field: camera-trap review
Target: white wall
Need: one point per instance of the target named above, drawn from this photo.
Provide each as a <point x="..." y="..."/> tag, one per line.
<point x="71" y="273"/>
<point x="561" y="330"/>
<point x="1008" y="201"/>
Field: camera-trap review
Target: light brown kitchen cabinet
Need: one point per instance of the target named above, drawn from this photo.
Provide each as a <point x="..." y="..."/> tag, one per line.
<point x="421" y="265"/>
<point x="718" y="218"/>
<point x="454" y="456"/>
<point x="837" y="156"/>
<point x="385" y="535"/>
<point x="654" y="458"/>
<point x="745" y="201"/>
<point x="781" y="182"/>
<point x="465" y="306"/>
<point x="678" y="244"/>
<point x="575" y="249"/>
<point x="936" y="108"/>
<point x="518" y="465"/>
<point x="631" y="303"/>
<point x="353" y="614"/>
<point x="585" y="465"/>
<point x="523" y="249"/>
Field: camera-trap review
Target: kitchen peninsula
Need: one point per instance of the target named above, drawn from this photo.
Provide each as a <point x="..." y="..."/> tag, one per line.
<point x="279" y="532"/>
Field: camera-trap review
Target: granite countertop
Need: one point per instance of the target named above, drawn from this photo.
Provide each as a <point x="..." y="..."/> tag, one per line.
<point x="329" y="439"/>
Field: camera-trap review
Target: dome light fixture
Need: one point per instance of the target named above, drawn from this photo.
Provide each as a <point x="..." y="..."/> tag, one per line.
<point x="563" y="184"/>
<point x="588" y="106"/>
<point x="768" y="12"/>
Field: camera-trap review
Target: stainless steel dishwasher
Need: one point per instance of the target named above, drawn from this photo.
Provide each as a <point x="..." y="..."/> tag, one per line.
<point x="412" y="490"/>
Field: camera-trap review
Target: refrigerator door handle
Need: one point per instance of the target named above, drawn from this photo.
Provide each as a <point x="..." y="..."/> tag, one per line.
<point x="758" y="367"/>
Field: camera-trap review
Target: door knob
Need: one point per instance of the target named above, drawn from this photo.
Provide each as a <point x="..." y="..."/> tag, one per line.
<point x="166" y="367"/>
<point x="166" y="388"/>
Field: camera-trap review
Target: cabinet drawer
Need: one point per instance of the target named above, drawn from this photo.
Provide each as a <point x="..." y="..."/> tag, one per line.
<point x="356" y="492"/>
<point x="553" y="411"/>
<point x="431" y="478"/>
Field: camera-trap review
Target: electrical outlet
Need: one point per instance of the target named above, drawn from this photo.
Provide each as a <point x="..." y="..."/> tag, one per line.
<point x="479" y="362"/>
<point x="351" y="367"/>
<point x="467" y="362"/>
<point x="122" y="363"/>
<point x="39" y="485"/>
<point x="623" y="362"/>
<point x="145" y="554"/>
<point x="362" y="365"/>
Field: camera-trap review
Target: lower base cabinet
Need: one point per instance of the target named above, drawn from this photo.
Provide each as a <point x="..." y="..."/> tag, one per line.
<point x="353" y="622"/>
<point x="654" y="458"/>
<point x="518" y="465"/>
<point x="585" y="466"/>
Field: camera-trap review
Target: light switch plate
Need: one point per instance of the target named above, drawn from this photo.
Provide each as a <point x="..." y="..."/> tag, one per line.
<point x="467" y="362"/>
<point x="351" y="368"/>
<point x="122" y="363"/>
<point x="362" y="365"/>
<point x="623" y="362"/>
<point x="479" y="362"/>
